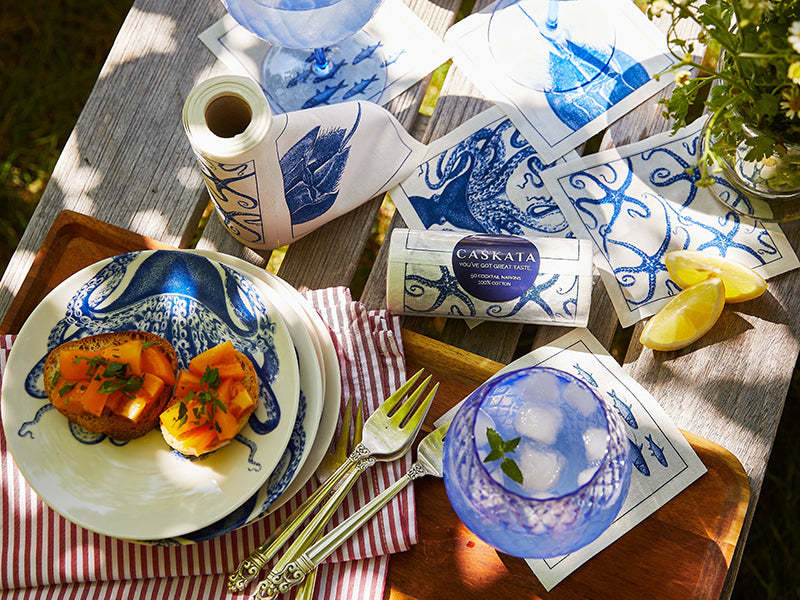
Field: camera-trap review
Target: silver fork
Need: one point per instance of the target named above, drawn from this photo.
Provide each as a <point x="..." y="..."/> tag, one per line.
<point x="330" y="462"/>
<point x="387" y="435"/>
<point x="429" y="462"/>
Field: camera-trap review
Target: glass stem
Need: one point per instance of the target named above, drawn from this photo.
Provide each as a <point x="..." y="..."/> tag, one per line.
<point x="552" y="15"/>
<point x="321" y="65"/>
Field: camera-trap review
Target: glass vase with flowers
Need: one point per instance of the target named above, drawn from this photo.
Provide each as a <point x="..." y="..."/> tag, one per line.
<point x="741" y="59"/>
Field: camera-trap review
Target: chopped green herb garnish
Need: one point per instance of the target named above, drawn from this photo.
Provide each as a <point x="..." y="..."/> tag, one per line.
<point x="208" y="400"/>
<point x="64" y="389"/>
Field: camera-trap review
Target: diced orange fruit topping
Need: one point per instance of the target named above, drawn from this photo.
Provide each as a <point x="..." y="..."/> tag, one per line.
<point x="124" y="378"/>
<point x="129" y="353"/>
<point x="154" y="361"/>
<point x="213" y="400"/>
<point x="218" y="356"/>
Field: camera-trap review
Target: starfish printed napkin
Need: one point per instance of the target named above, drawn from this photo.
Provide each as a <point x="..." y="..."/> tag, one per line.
<point x="641" y="201"/>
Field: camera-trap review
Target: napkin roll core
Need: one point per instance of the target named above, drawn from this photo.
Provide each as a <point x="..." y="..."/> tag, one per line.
<point x="226" y="116"/>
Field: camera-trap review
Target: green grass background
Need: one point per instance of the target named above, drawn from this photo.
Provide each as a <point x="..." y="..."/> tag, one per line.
<point x="51" y="52"/>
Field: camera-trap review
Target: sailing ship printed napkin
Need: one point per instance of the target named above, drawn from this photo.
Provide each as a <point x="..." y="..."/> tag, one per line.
<point x="664" y="463"/>
<point x="545" y="94"/>
<point x="639" y="202"/>
<point x="275" y="178"/>
<point x="405" y="51"/>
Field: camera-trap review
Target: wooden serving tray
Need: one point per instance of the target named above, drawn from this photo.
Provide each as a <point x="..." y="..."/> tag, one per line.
<point x="682" y="551"/>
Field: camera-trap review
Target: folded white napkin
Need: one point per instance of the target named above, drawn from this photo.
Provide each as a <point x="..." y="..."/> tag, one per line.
<point x="276" y="178"/>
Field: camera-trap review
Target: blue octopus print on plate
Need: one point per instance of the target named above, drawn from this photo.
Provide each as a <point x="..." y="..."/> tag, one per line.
<point x="234" y="191"/>
<point x="641" y="202"/>
<point x="186" y="299"/>
<point x="484" y="177"/>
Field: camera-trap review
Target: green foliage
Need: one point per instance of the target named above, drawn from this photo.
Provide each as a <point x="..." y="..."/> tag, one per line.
<point x="756" y="80"/>
<point x="500" y="448"/>
<point x="51" y="52"/>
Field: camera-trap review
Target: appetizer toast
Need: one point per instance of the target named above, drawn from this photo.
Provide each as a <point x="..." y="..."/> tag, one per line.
<point x="112" y="383"/>
<point x="213" y="399"/>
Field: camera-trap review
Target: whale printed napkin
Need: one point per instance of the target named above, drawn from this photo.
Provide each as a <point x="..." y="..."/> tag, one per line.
<point x="559" y="91"/>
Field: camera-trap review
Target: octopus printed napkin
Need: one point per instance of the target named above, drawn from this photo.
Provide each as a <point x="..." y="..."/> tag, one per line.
<point x="482" y="177"/>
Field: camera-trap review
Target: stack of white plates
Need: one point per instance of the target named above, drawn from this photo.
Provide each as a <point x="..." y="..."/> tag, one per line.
<point x="142" y="490"/>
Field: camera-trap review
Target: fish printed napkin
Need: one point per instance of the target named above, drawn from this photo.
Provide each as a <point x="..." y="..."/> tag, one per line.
<point x="664" y="463"/>
<point x="482" y="177"/>
<point x="559" y="91"/>
<point x="46" y="556"/>
<point x="639" y="202"/>
<point x="404" y="51"/>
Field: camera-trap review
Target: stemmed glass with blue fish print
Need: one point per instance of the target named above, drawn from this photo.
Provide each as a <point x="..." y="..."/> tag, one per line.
<point x="319" y="53"/>
<point x="552" y="46"/>
<point x="536" y="464"/>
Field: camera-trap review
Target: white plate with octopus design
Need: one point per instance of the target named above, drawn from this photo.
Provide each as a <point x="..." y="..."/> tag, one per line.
<point x="142" y="490"/>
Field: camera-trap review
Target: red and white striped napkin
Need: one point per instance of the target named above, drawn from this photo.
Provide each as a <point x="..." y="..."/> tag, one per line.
<point x="45" y="556"/>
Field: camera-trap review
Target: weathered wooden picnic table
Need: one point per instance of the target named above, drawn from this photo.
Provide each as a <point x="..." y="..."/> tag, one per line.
<point x="128" y="163"/>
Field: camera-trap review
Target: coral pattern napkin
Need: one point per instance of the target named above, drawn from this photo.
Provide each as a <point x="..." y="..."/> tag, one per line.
<point x="45" y="556"/>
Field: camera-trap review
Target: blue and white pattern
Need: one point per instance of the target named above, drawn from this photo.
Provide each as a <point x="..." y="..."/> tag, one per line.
<point x="134" y="489"/>
<point x="564" y="111"/>
<point x="303" y="170"/>
<point x="483" y="177"/>
<point x="640" y="202"/>
<point x="160" y="293"/>
<point x="395" y="63"/>
<point x="664" y="462"/>
<point x="234" y="191"/>
<point x="312" y="170"/>
<point x="421" y="281"/>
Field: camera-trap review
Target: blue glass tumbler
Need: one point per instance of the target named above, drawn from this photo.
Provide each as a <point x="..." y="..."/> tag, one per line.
<point x="573" y="457"/>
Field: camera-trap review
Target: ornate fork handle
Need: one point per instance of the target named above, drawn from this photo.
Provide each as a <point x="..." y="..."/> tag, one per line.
<point x="248" y="569"/>
<point x="284" y="577"/>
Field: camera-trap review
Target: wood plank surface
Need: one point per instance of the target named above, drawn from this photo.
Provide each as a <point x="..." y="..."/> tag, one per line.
<point x="128" y="163"/>
<point x="696" y="531"/>
<point x="329" y="256"/>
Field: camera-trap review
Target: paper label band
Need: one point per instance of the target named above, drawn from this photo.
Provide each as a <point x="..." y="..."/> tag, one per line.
<point x="495" y="268"/>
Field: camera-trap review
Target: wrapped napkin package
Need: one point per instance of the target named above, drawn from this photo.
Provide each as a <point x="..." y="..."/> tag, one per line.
<point x="275" y="178"/>
<point x="490" y="277"/>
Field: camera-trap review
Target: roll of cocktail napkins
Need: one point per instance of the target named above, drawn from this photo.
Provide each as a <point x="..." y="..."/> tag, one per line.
<point x="490" y="277"/>
<point x="275" y="178"/>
